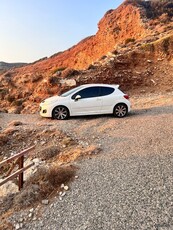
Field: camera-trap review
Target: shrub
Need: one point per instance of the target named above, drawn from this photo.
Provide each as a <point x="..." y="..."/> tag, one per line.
<point x="10" y="98"/>
<point x="59" y="69"/>
<point x="128" y="40"/>
<point x="37" y="78"/>
<point x="53" y="80"/>
<point x="48" y="152"/>
<point x="148" y="47"/>
<point x="17" y="102"/>
<point x="43" y="183"/>
<point x="3" y="93"/>
<point x="165" y="44"/>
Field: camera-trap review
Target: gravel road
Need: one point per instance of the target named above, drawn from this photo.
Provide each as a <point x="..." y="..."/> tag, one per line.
<point x="128" y="185"/>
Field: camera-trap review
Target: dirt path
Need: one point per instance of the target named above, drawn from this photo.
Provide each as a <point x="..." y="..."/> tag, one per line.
<point x="128" y="185"/>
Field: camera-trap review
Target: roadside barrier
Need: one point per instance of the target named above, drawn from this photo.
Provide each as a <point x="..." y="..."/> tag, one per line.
<point x="17" y="159"/>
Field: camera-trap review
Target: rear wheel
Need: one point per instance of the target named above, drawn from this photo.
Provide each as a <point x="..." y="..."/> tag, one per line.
<point x="120" y="110"/>
<point x="60" y="113"/>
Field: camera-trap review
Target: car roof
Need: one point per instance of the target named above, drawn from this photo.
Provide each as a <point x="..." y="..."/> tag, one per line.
<point x="101" y="84"/>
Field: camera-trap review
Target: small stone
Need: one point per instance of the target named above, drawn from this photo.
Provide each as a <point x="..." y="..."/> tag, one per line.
<point x="34" y="171"/>
<point x="62" y="186"/>
<point x="20" y="220"/>
<point x="149" y="61"/>
<point x="45" y="202"/>
<point x="30" y="215"/>
<point x="17" y="226"/>
<point x="43" y="142"/>
<point x="52" y="205"/>
<point x="66" y="188"/>
<point x="35" y="218"/>
<point x="36" y="161"/>
<point x="60" y="198"/>
<point x="31" y="210"/>
<point x="76" y="177"/>
<point x="63" y="194"/>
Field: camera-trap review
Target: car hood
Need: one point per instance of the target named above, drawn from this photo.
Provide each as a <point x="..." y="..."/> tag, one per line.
<point x="52" y="99"/>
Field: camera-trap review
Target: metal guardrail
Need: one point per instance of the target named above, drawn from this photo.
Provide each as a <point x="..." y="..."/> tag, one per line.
<point x="21" y="168"/>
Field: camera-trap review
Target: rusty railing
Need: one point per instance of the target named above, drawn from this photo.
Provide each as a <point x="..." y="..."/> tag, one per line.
<point x="21" y="168"/>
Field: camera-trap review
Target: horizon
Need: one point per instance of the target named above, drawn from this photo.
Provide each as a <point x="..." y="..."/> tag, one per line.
<point x="33" y="30"/>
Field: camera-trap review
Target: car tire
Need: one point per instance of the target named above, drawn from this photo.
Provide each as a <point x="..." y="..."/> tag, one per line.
<point x="60" y="113"/>
<point x="120" y="110"/>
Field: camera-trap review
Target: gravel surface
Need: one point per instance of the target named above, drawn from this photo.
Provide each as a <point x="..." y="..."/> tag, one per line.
<point x="128" y="185"/>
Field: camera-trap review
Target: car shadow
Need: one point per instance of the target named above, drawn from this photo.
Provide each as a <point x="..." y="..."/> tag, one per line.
<point x="152" y="111"/>
<point x="91" y="117"/>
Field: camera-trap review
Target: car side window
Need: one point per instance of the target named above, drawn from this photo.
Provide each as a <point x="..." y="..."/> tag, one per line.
<point x="88" y="92"/>
<point x="106" y="91"/>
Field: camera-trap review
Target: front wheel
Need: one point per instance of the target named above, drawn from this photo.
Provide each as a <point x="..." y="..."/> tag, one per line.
<point x="120" y="110"/>
<point x="60" y="113"/>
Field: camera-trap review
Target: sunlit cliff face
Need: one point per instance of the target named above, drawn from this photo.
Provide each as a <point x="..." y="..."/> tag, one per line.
<point x="129" y="48"/>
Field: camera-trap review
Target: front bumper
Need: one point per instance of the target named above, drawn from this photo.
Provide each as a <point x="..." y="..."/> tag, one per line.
<point x="45" y="112"/>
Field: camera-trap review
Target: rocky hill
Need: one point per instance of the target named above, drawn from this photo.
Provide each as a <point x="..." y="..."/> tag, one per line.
<point x="4" y="66"/>
<point x="133" y="47"/>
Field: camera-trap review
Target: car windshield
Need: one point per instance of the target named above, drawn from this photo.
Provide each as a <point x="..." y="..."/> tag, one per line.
<point x="70" y="91"/>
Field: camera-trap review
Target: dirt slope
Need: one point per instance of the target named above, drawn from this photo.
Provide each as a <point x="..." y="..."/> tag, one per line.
<point x="133" y="47"/>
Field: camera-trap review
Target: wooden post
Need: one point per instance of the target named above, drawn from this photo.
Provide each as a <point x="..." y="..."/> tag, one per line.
<point x="19" y="173"/>
<point x="21" y="164"/>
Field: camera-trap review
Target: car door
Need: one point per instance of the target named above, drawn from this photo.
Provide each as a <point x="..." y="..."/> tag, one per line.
<point x="89" y="101"/>
<point x="108" y="99"/>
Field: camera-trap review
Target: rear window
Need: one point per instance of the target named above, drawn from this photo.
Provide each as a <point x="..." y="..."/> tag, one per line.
<point x="106" y="91"/>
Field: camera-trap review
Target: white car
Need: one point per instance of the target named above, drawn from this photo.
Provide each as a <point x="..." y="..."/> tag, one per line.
<point x="89" y="99"/>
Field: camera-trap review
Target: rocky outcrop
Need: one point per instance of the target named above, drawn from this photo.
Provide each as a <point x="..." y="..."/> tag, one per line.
<point x="132" y="48"/>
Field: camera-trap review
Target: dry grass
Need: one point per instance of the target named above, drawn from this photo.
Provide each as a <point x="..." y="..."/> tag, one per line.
<point x="15" y="123"/>
<point x="91" y="150"/>
<point x="3" y="139"/>
<point x="76" y="153"/>
<point x="69" y="156"/>
<point x="41" y="185"/>
<point x="56" y="148"/>
<point x="6" y="226"/>
<point x="48" y="152"/>
<point x="9" y="131"/>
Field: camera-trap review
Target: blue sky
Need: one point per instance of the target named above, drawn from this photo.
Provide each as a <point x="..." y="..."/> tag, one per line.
<point x="33" y="29"/>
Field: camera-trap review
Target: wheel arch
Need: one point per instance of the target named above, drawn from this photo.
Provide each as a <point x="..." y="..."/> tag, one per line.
<point x="120" y="103"/>
<point x="60" y="106"/>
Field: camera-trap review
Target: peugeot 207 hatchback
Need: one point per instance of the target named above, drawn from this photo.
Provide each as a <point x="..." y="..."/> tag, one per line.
<point x="87" y="99"/>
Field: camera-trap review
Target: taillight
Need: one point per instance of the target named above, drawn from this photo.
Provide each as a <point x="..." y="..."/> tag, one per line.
<point x="126" y="96"/>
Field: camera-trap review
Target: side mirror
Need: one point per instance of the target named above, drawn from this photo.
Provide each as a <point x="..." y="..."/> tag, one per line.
<point x="77" y="97"/>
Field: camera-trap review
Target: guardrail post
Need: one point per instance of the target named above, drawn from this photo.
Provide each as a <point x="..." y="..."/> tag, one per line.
<point x="20" y="172"/>
<point x="21" y="163"/>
